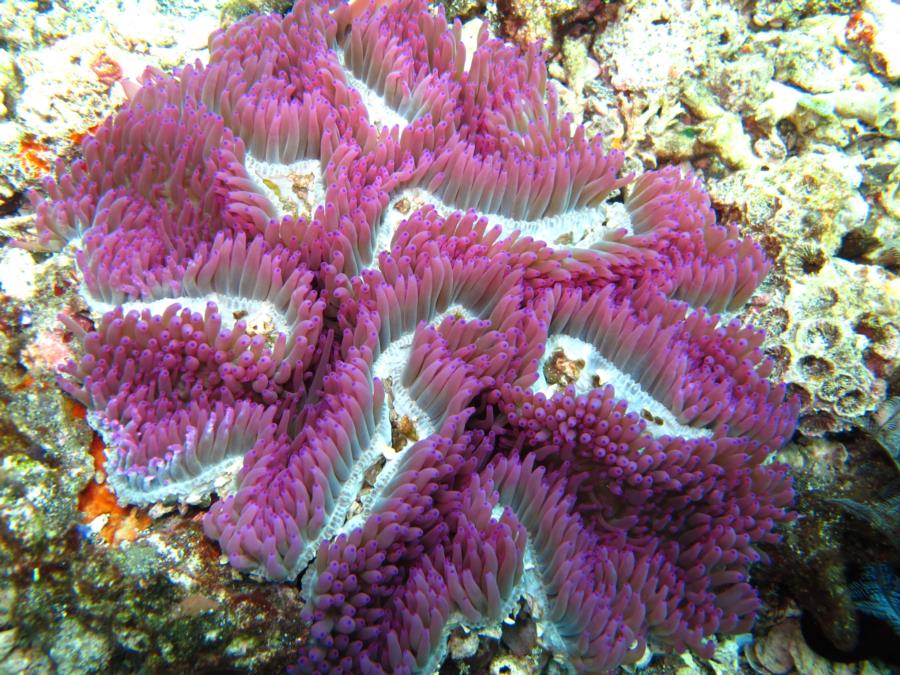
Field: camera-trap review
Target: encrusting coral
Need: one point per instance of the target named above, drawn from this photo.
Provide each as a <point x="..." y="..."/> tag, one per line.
<point x="246" y="348"/>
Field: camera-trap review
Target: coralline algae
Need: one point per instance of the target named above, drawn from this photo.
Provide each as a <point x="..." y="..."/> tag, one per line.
<point x="277" y="242"/>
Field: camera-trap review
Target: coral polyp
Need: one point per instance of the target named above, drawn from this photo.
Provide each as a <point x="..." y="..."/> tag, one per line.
<point x="343" y="230"/>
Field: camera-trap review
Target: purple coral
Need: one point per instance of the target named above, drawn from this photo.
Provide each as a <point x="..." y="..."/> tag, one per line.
<point x="274" y="239"/>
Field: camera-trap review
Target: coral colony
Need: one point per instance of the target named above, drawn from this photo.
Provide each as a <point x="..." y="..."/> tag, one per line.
<point x="366" y="288"/>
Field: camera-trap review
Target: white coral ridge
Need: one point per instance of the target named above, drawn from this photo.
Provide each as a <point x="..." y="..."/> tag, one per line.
<point x="276" y="182"/>
<point x="379" y="112"/>
<point x="625" y="386"/>
<point x="183" y="478"/>
<point x="578" y="228"/>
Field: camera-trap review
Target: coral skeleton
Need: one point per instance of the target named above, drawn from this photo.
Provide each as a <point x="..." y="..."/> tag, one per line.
<point x="337" y="224"/>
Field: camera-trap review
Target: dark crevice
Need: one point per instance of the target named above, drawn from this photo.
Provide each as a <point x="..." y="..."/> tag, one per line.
<point x="876" y="641"/>
<point x="857" y="245"/>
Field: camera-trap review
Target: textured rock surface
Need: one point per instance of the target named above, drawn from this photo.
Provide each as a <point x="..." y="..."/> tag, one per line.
<point x="832" y="324"/>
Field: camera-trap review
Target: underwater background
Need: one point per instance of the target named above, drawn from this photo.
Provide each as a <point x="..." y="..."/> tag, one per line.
<point x="126" y="539"/>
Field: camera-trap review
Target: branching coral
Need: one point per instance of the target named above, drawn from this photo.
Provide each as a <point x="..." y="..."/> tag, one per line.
<point x="258" y="352"/>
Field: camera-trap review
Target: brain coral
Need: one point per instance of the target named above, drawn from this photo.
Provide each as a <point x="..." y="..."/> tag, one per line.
<point x="294" y="301"/>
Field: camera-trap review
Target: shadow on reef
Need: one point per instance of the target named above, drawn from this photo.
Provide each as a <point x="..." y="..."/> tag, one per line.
<point x="839" y="560"/>
<point x="876" y="641"/>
